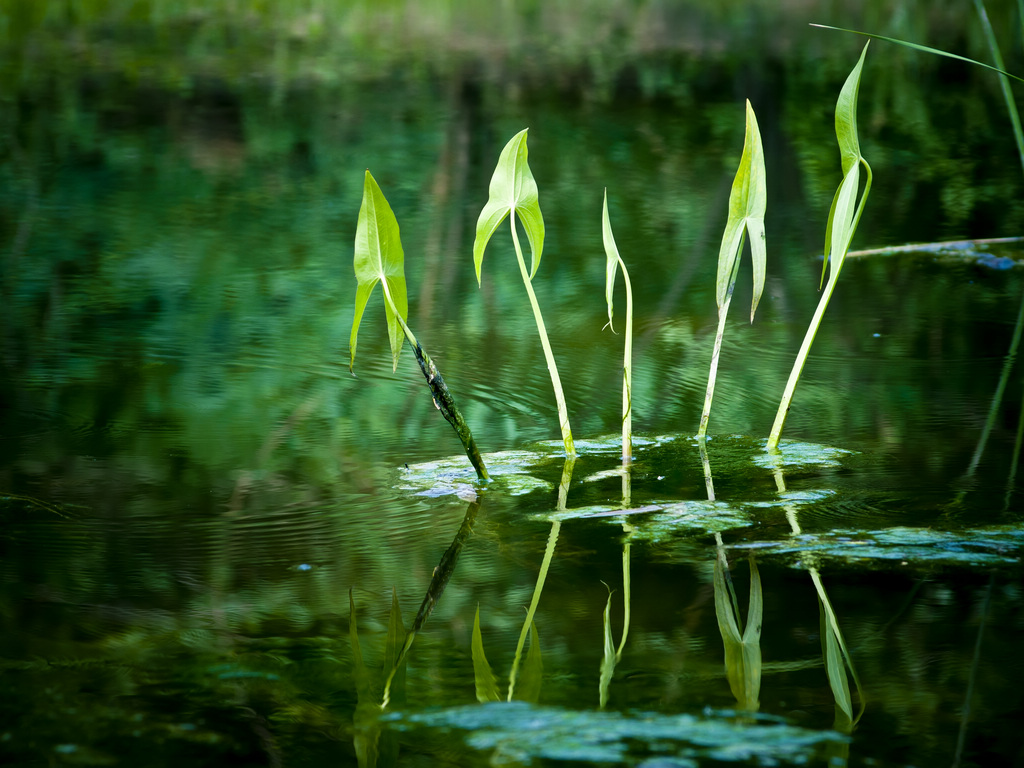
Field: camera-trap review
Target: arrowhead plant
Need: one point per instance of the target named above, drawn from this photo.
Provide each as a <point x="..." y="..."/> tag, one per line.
<point x="379" y="259"/>
<point x="842" y="224"/>
<point x="614" y="261"/>
<point x="513" y="194"/>
<point x="747" y="202"/>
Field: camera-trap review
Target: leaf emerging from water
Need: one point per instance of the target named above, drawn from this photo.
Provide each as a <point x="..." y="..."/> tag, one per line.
<point x="513" y="190"/>
<point x="379" y="257"/>
<point x="483" y="677"/>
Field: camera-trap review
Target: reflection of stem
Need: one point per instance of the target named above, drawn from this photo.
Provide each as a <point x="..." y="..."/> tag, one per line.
<point x="556" y="525"/>
<point x="556" y="383"/>
<point x="537" y="590"/>
<point x="826" y="604"/>
<point x="966" y="712"/>
<point x="717" y="351"/>
<point x="442" y="575"/>
<point x="625" y="594"/>
<point x="997" y="398"/>
<point x="1010" y="481"/>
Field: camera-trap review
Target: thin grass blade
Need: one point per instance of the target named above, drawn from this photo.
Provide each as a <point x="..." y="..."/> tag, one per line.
<point x="924" y="48"/>
<point x="379" y="257"/>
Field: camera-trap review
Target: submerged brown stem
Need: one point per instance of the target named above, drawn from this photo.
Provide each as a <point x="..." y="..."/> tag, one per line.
<point x="446" y="404"/>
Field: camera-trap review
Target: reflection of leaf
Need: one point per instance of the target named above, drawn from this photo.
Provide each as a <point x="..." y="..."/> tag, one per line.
<point x="379" y="257"/>
<point x="530" y="676"/>
<point x="513" y="189"/>
<point x="742" y="651"/>
<point x="834" y="666"/>
<point x="393" y="653"/>
<point x="486" y="685"/>
<point x="361" y="674"/>
<point x="608" y="660"/>
<point x="366" y="736"/>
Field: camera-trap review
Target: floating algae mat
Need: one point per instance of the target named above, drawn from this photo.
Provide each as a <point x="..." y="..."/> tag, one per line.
<point x="519" y="733"/>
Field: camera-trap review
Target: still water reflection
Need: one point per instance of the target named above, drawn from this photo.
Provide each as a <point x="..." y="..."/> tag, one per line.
<point x="216" y="544"/>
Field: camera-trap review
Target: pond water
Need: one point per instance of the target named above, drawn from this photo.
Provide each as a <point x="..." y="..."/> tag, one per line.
<point x="215" y="540"/>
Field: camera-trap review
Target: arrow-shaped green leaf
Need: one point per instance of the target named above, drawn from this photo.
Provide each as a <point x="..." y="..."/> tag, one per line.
<point x="513" y="190"/>
<point x="845" y="214"/>
<point x="747" y="202"/>
<point x="379" y="257"/>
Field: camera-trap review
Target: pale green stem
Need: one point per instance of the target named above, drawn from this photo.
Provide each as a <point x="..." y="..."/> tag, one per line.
<point x="556" y="383"/>
<point x="798" y="365"/>
<point x="717" y="351"/>
<point x="394" y="310"/>
<point x="812" y="329"/>
<point x="627" y="380"/>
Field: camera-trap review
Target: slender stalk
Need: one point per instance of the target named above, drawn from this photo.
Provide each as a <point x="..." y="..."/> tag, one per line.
<point x="716" y="353"/>
<point x="443" y="399"/>
<point x="798" y="366"/>
<point x="627" y="376"/>
<point x="556" y="383"/>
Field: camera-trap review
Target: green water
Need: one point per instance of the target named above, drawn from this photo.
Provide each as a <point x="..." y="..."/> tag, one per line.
<point x="194" y="492"/>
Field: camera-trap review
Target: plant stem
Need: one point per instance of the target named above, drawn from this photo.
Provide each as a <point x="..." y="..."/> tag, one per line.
<point x="627" y="375"/>
<point x="717" y="351"/>
<point x="443" y="399"/>
<point x="556" y="383"/>
<point x="798" y="364"/>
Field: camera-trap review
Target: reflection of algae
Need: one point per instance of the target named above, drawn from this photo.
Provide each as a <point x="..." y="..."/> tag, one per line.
<point x="990" y="545"/>
<point x="519" y="733"/>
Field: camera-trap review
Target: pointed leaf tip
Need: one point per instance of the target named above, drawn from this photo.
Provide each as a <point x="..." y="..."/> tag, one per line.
<point x="513" y="189"/>
<point x="747" y="204"/>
